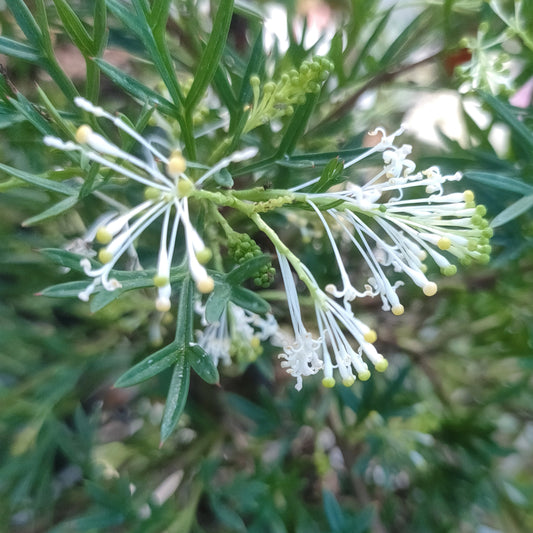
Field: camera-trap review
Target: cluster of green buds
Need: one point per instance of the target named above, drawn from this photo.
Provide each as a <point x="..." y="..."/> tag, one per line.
<point x="241" y="248"/>
<point x="277" y="99"/>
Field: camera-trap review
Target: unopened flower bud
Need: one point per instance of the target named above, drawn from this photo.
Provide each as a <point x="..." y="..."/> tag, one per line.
<point x="83" y="133"/>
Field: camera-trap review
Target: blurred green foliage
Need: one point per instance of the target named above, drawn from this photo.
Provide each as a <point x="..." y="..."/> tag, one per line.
<point x="441" y="442"/>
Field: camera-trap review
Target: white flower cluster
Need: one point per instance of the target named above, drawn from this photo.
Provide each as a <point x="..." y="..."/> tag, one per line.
<point x="166" y="195"/>
<point x="390" y="228"/>
<point x="307" y="355"/>
<point x="238" y="331"/>
<point x="387" y="230"/>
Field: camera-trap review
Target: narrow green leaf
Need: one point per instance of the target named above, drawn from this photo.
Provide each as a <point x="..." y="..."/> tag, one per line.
<point x="217" y="302"/>
<point x="9" y="116"/>
<point x="402" y="45"/>
<point x="142" y="8"/>
<point x="135" y="88"/>
<point x="159" y="15"/>
<point x="12" y="48"/>
<point x="498" y="181"/>
<point x="40" y="15"/>
<point x="26" y="21"/>
<point x="128" y="280"/>
<point x="229" y="518"/>
<point x="157" y="51"/>
<point x="249" y="10"/>
<point x="185" y="314"/>
<point x="224" y="90"/>
<point x="55" y="210"/>
<point x="322" y="158"/>
<point x="337" y="57"/>
<point x="74" y="28"/>
<point x="256" y="65"/>
<point x="102" y="299"/>
<point x="333" y="512"/>
<point x="297" y="125"/>
<point x="64" y="258"/>
<point x="57" y="118"/>
<point x="370" y="42"/>
<point x="505" y="112"/>
<point x="250" y="300"/>
<point x="209" y="61"/>
<point x="247" y="269"/>
<point x="126" y="16"/>
<point x="42" y="183"/>
<point x="176" y="398"/>
<point x="70" y="289"/>
<point x="202" y="363"/>
<point x="100" y="26"/>
<point x="92" y="521"/>
<point x="150" y="366"/>
<point x="513" y="211"/>
<point x="331" y="175"/>
<point x="224" y="178"/>
<point x="26" y="108"/>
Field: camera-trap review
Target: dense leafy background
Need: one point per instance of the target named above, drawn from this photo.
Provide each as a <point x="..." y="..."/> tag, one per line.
<point x="441" y="442"/>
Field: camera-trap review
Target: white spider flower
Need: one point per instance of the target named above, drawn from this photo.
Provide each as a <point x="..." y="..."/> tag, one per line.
<point x="238" y="332"/>
<point x="166" y="196"/>
<point x="404" y="232"/>
<point x="332" y="349"/>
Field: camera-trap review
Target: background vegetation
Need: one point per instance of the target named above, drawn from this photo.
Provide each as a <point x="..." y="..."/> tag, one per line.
<point x="441" y="442"/>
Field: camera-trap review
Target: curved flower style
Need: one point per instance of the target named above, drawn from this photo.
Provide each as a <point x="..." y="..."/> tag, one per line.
<point x="332" y="349"/>
<point x="166" y="196"/>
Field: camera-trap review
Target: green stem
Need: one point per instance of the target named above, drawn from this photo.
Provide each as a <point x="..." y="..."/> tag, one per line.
<point x="92" y="87"/>
<point x="213" y="237"/>
<point x="284" y="250"/>
<point x="229" y="200"/>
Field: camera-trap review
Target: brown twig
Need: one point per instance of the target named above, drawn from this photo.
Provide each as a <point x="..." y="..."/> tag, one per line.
<point x="379" y="79"/>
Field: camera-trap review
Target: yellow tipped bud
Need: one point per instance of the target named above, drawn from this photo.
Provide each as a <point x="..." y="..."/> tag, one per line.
<point x="444" y="243"/>
<point x="160" y="281"/>
<point x="468" y="196"/>
<point x="184" y="187"/>
<point x="103" y="235"/>
<point x="364" y="376"/>
<point x="206" y="285"/>
<point x="329" y="383"/>
<point x="176" y="165"/>
<point x="370" y="336"/>
<point x="151" y="193"/>
<point x="204" y="256"/>
<point x="382" y="365"/>
<point x="105" y="256"/>
<point x="430" y="289"/>
<point x="397" y="309"/>
<point x="449" y="270"/>
<point x="255" y="342"/>
<point x="481" y="210"/>
<point x="83" y="133"/>
<point x="349" y="381"/>
<point x="162" y="305"/>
